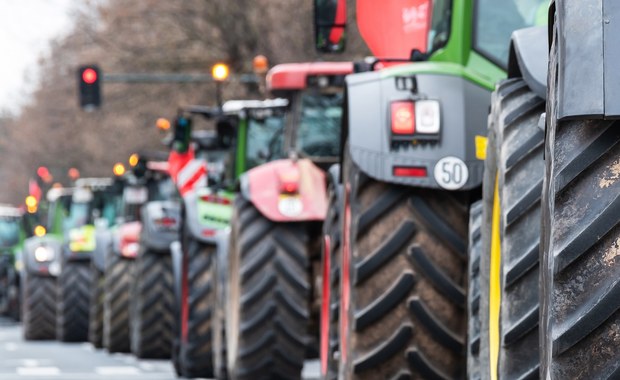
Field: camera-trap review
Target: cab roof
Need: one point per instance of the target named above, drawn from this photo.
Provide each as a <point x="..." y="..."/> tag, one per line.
<point x="294" y="76"/>
<point x="235" y="106"/>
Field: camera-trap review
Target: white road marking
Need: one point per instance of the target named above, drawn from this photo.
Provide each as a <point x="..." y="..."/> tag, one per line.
<point x="38" y="371"/>
<point x="10" y="347"/>
<point x="30" y="362"/>
<point x="147" y="366"/>
<point x="111" y="371"/>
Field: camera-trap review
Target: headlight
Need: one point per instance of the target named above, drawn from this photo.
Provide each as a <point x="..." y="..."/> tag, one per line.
<point x="43" y="254"/>
<point x="290" y="206"/>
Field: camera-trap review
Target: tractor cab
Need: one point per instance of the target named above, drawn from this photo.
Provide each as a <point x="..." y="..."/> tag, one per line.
<point x="315" y="94"/>
<point x="88" y="204"/>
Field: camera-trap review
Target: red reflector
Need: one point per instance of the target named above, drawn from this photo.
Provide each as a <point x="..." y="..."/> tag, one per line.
<point x="166" y="221"/>
<point x="403" y="118"/>
<point x="289" y="188"/>
<point x="407" y="171"/>
<point x="89" y="76"/>
<point x="215" y="199"/>
<point x="208" y="233"/>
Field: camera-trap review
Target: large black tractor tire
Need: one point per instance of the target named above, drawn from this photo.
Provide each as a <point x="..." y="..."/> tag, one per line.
<point x="508" y="272"/>
<point x="580" y="298"/>
<point x="330" y="284"/>
<point x="152" y="306"/>
<point x="404" y="276"/>
<point x="269" y="296"/>
<point x="74" y="283"/>
<point x="9" y="283"/>
<point x="195" y="357"/>
<point x="95" y="328"/>
<point x="116" y="302"/>
<point x="473" y="293"/>
<point x="38" y="306"/>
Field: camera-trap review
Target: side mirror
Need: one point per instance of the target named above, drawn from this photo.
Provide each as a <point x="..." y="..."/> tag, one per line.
<point x="330" y="22"/>
<point x="182" y="134"/>
<point x="226" y="132"/>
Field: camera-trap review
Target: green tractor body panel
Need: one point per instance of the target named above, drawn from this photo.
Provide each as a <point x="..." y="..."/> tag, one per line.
<point x="82" y="239"/>
<point x="240" y="159"/>
<point x="214" y="209"/>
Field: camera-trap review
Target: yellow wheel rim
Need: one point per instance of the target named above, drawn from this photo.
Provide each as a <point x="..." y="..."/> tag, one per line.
<point x="495" y="292"/>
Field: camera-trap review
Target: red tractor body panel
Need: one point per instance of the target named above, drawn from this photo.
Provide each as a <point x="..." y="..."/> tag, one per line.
<point x="288" y="191"/>
<point x="129" y="234"/>
<point x="393" y="28"/>
<point x="294" y="76"/>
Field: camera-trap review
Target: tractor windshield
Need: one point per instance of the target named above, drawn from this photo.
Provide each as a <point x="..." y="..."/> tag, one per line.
<point x="265" y="140"/>
<point x="161" y="189"/>
<point x="79" y="214"/>
<point x="9" y="232"/>
<point x="439" y="32"/>
<point x="318" y="134"/>
<point x="495" y="20"/>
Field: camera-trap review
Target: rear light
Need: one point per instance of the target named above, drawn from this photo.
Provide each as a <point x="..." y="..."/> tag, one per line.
<point x="403" y="117"/>
<point x="289" y="188"/>
<point x="129" y="249"/>
<point x="420" y="118"/>
<point x="166" y="221"/>
<point x="215" y="199"/>
<point x="409" y="171"/>
<point x="209" y="232"/>
<point x="427" y="116"/>
<point x="289" y="180"/>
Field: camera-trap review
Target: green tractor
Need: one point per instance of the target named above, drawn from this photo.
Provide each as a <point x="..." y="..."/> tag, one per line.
<point x="547" y="291"/>
<point x="41" y="266"/>
<point x="111" y="206"/>
<point x="75" y="278"/>
<point x="206" y="166"/>
<point x="413" y="144"/>
<point x="12" y="235"/>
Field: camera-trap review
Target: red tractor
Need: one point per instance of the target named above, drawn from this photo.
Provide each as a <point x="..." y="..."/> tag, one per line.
<point x="274" y="256"/>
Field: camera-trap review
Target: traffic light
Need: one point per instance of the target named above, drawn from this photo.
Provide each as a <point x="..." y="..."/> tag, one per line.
<point x="89" y="88"/>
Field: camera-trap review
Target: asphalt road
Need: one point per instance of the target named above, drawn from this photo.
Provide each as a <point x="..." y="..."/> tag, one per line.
<point x="21" y="360"/>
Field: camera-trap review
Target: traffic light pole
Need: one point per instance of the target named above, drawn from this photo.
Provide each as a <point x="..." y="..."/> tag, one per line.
<point x="172" y="78"/>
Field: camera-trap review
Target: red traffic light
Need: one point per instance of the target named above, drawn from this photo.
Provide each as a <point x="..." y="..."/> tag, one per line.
<point x="89" y="76"/>
<point x="43" y="172"/>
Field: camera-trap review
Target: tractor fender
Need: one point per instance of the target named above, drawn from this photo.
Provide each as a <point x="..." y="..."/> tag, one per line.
<point x="529" y="59"/>
<point x="195" y="215"/>
<point x="47" y="268"/>
<point x="103" y="243"/>
<point x="262" y="186"/>
<point x="222" y="242"/>
<point x="463" y="108"/>
<point x="588" y="83"/>
<point x="161" y="221"/>
<point x="177" y="271"/>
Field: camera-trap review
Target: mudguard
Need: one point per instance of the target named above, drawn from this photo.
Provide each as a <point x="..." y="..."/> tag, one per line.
<point x="588" y="83"/>
<point x="528" y="58"/>
<point x="222" y="242"/>
<point x="176" y="253"/>
<point x="464" y="107"/>
<point x="103" y="243"/>
<point x="161" y="221"/>
<point x="46" y="268"/>
<point x="262" y="186"/>
<point x="203" y="219"/>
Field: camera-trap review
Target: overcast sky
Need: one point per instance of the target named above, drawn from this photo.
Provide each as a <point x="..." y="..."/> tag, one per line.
<point x="26" y="28"/>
